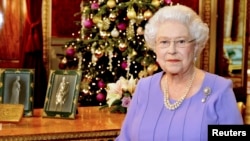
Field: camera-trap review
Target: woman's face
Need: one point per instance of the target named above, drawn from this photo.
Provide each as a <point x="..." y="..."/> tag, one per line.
<point x="174" y="47"/>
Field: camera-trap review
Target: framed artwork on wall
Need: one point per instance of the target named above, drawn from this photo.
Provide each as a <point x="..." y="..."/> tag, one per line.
<point x="62" y="94"/>
<point x="17" y="87"/>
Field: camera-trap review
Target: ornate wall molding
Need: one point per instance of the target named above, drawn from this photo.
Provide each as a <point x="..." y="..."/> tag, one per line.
<point x="46" y="26"/>
<point x="208" y="10"/>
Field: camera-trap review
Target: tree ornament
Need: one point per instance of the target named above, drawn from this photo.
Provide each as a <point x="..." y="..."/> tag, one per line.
<point x="88" y="23"/>
<point x="85" y="9"/>
<point x="98" y="53"/>
<point x="122" y="26"/>
<point x="131" y="14"/>
<point x="112" y="16"/>
<point x="63" y="63"/>
<point x="139" y="18"/>
<point x="101" y="84"/>
<point x="122" y="46"/>
<point x="106" y="24"/>
<point x="94" y="6"/>
<point x="144" y="63"/>
<point x="143" y="73"/>
<point x="70" y="51"/>
<point x="168" y="1"/>
<point x="140" y="31"/>
<point x="111" y="3"/>
<point x="97" y="19"/>
<point x="147" y="14"/>
<point x="124" y="65"/>
<point x="152" y="68"/>
<point x="130" y="30"/>
<point x="156" y="3"/>
<point x="115" y="32"/>
<point x="100" y="97"/>
<point x="104" y="34"/>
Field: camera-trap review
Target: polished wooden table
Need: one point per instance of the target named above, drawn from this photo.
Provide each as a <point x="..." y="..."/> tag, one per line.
<point x="90" y="124"/>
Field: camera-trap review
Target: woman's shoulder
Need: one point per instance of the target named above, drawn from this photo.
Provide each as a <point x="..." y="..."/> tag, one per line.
<point x="217" y="79"/>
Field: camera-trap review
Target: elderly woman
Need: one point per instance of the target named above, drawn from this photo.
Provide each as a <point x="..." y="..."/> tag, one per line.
<point x="180" y="102"/>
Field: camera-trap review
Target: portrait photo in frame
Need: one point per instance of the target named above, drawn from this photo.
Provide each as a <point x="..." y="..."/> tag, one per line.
<point x="17" y="87"/>
<point x="62" y="94"/>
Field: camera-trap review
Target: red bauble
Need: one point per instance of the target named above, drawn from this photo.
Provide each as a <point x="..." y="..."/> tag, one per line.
<point x="62" y="65"/>
<point x="100" y="97"/>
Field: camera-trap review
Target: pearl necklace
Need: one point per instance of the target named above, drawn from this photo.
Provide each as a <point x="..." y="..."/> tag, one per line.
<point x="175" y="105"/>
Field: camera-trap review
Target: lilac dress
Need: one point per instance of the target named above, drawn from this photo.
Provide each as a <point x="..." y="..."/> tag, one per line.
<point x="149" y="120"/>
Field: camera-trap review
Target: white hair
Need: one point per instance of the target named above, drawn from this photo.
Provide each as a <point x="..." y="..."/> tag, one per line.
<point x="185" y="15"/>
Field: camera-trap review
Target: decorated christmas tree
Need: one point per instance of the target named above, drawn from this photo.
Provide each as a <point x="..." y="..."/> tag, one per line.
<point x="111" y="46"/>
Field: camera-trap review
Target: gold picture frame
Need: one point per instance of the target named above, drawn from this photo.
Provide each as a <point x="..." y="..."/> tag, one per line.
<point x="62" y="94"/>
<point x="17" y="87"/>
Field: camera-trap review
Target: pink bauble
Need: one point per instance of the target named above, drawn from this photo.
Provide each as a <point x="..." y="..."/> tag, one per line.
<point x="101" y="84"/>
<point x="124" y="65"/>
<point x="122" y="26"/>
<point x="70" y="51"/>
<point x="94" y="6"/>
<point x="168" y="1"/>
<point x="100" y="97"/>
<point x="88" y="23"/>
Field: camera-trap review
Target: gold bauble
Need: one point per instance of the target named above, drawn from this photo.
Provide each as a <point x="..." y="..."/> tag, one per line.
<point x="97" y="19"/>
<point x="147" y="14"/>
<point x="152" y="68"/>
<point x="131" y="14"/>
<point x="86" y="8"/>
<point x="111" y="3"/>
<point x="156" y="3"/>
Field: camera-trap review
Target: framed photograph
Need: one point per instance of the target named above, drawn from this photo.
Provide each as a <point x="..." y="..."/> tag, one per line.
<point x="17" y="87"/>
<point x="62" y="94"/>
